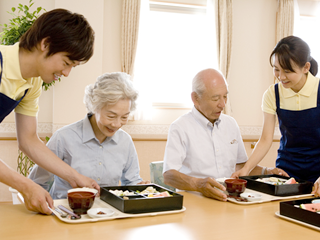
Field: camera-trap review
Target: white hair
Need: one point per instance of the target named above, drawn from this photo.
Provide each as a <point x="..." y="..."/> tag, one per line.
<point x="198" y="85"/>
<point x="109" y="89"/>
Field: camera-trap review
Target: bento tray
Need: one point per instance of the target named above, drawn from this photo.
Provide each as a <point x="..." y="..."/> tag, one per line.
<point x="302" y="187"/>
<point x="267" y="197"/>
<point x="297" y="221"/>
<point x="98" y="203"/>
<point x="140" y="204"/>
<point x="290" y="211"/>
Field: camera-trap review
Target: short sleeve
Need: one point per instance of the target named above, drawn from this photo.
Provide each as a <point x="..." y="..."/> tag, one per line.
<point x="269" y="101"/>
<point x="175" y="151"/>
<point x="29" y="105"/>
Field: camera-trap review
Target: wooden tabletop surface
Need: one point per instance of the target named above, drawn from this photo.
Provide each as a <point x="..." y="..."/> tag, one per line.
<point x="204" y="218"/>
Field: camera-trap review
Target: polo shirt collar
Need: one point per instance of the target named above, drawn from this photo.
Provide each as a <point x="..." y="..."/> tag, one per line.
<point x="306" y="90"/>
<point x="88" y="133"/>
<point x="202" y="119"/>
<point x="13" y="71"/>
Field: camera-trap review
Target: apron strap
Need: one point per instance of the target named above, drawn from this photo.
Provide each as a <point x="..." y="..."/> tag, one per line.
<point x="1" y="62"/>
<point x="318" y="101"/>
<point x="276" y="92"/>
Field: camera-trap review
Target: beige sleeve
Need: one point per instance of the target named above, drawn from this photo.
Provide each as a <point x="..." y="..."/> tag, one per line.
<point x="30" y="103"/>
<point x="269" y="101"/>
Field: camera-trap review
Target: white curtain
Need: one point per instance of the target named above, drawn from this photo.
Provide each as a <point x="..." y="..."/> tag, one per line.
<point x="285" y="19"/>
<point x="224" y="40"/>
<point x="129" y="36"/>
<point x="133" y="18"/>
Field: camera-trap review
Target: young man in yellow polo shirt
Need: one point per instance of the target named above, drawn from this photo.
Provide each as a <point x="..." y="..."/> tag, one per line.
<point x="57" y="41"/>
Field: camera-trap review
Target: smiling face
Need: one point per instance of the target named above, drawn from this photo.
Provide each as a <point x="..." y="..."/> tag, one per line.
<point x="106" y="121"/>
<point x="50" y="68"/>
<point x="213" y="99"/>
<point x="294" y="80"/>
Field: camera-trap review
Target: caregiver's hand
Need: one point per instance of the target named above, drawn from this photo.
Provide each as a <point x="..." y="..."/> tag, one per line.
<point x="316" y="188"/>
<point x="277" y="171"/>
<point x="36" y="198"/>
<point x="144" y="182"/>
<point x="242" y="172"/>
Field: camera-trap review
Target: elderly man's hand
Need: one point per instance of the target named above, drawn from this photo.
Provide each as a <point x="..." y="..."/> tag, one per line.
<point x="316" y="188"/>
<point x="277" y="171"/>
<point x="211" y="189"/>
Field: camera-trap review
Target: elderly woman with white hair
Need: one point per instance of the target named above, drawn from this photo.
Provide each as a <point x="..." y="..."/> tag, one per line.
<point x="96" y="146"/>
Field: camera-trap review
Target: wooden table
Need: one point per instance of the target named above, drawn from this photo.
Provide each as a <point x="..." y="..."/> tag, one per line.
<point x="203" y="219"/>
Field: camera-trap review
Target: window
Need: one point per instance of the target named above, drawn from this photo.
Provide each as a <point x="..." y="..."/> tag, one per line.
<point x="175" y="42"/>
<point x="308" y="31"/>
<point x="307" y="24"/>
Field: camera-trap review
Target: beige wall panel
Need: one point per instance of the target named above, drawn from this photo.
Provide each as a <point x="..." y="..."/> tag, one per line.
<point x="9" y="154"/>
<point x="250" y="72"/>
<point x="149" y="151"/>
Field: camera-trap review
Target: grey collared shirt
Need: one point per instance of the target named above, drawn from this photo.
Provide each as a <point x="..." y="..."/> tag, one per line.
<point x="114" y="160"/>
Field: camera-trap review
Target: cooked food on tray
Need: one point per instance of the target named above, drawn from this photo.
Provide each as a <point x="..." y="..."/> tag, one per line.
<point x="277" y="181"/>
<point x="313" y="207"/>
<point x="148" y="192"/>
<point x="121" y="193"/>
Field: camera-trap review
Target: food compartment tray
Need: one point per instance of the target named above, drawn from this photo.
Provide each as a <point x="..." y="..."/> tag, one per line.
<point x="302" y="187"/>
<point x="141" y="204"/>
<point x="292" y="210"/>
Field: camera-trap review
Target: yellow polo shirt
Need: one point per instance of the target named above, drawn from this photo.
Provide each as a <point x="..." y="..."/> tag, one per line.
<point x="289" y="100"/>
<point x="13" y="85"/>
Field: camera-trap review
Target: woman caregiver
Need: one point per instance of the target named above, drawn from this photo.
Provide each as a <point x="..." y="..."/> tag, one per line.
<point x="296" y="102"/>
<point x="57" y="41"/>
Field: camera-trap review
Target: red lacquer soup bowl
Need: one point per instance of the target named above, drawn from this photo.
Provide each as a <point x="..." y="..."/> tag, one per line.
<point x="81" y="199"/>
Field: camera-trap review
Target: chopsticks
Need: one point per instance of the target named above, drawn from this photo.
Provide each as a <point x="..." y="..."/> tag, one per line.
<point x="68" y="211"/>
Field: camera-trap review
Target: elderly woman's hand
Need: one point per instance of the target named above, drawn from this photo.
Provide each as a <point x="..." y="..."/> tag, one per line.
<point x="316" y="188"/>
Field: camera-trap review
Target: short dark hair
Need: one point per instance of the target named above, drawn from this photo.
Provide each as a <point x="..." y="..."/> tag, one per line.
<point x="64" y="31"/>
<point x="294" y="49"/>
